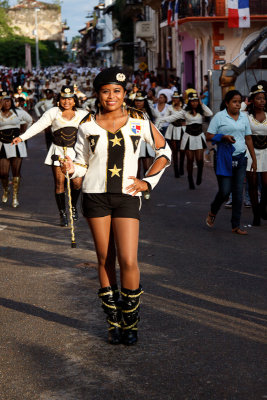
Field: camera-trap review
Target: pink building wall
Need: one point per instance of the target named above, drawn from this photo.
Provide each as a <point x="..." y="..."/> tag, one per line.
<point x="188" y="58"/>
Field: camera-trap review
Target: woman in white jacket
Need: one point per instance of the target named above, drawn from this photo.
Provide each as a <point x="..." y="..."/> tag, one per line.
<point x="193" y="140"/>
<point x="109" y="144"/>
<point x="64" y="121"/>
<point x="12" y="120"/>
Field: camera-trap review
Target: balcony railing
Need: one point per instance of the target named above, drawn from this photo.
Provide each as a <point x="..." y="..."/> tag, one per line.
<point x="188" y="8"/>
<point x="203" y="8"/>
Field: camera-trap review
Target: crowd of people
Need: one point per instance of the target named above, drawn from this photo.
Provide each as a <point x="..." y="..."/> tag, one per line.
<point x="114" y="136"/>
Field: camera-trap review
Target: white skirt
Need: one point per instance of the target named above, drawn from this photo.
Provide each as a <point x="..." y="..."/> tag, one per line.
<point x="261" y="156"/>
<point x="11" y="149"/>
<point x="58" y="150"/>
<point x="174" y="132"/>
<point x="146" y="150"/>
<point x="193" y="142"/>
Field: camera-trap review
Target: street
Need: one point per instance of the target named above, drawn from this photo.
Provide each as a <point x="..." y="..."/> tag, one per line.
<point x="203" y="327"/>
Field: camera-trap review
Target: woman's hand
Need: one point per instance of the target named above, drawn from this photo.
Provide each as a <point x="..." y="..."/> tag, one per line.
<point x="16" y="141"/>
<point x="137" y="186"/>
<point x="253" y="167"/>
<point x="67" y="165"/>
<point x="228" y="138"/>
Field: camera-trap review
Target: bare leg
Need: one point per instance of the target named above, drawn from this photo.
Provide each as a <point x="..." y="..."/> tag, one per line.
<point x="126" y="233"/>
<point x="105" y="249"/>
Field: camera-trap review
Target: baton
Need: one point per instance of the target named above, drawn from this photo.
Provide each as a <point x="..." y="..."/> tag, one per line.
<point x="57" y="158"/>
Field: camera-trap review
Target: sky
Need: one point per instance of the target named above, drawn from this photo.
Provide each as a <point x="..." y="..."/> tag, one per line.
<point x="74" y="11"/>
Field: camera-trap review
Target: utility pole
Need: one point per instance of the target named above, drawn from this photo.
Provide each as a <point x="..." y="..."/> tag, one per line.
<point x="37" y="40"/>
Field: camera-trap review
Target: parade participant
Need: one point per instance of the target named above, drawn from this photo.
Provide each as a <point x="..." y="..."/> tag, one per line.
<point x="11" y="120"/>
<point x="109" y="144"/>
<point x="161" y="109"/>
<point x="174" y="134"/>
<point x="230" y="130"/>
<point x="64" y="121"/>
<point x="151" y="97"/>
<point x="147" y="154"/>
<point x="193" y="141"/>
<point x="257" y="116"/>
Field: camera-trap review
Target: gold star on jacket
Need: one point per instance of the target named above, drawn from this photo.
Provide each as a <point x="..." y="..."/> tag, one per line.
<point x="116" y="141"/>
<point x="115" y="171"/>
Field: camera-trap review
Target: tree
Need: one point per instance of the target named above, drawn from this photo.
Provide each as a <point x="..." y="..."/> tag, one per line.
<point x="5" y="29"/>
<point x="12" y="52"/>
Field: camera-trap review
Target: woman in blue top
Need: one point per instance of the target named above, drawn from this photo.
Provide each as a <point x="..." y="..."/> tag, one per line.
<point x="230" y="130"/>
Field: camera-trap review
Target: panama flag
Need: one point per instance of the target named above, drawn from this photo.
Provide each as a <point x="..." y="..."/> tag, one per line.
<point x="238" y="14"/>
<point x="169" y="16"/>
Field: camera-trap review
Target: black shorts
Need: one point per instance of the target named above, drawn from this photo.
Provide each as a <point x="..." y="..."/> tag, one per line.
<point x="118" y="205"/>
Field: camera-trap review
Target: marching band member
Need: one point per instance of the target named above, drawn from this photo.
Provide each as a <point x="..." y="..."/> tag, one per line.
<point x="64" y="121"/>
<point x="11" y="120"/>
<point x="109" y="143"/>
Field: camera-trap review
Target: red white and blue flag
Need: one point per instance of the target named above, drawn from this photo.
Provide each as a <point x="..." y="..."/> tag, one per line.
<point x="238" y="14"/>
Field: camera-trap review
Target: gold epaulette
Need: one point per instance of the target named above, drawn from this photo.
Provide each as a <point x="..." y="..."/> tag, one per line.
<point x="87" y="118"/>
<point x="81" y="165"/>
<point x="134" y="113"/>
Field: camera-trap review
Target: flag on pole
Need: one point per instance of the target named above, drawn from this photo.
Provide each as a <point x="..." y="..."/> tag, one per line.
<point x="238" y="14"/>
<point x="176" y="14"/>
<point x="169" y="15"/>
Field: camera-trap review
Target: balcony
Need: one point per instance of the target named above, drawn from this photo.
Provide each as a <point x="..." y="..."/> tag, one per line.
<point x="189" y="8"/>
<point x="203" y="8"/>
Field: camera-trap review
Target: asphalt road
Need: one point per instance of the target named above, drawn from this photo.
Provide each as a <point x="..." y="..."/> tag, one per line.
<point x="203" y="318"/>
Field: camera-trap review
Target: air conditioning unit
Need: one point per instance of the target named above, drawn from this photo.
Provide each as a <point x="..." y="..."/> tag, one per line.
<point x="144" y="30"/>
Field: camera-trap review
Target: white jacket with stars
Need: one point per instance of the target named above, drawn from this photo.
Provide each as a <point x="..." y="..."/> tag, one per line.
<point x="113" y="157"/>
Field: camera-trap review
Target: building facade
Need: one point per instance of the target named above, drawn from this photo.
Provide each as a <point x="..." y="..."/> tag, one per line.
<point x="28" y="14"/>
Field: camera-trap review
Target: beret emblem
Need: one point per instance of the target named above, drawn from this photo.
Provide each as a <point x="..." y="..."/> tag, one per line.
<point x="120" y="77"/>
<point x="67" y="90"/>
<point x="260" y="87"/>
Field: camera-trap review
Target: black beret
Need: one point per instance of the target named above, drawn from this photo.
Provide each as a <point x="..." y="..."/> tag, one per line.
<point x="67" y="91"/>
<point x="256" y="89"/>
<point x="176" y="95"/>
<point x="113" y="75"/>
<point x="49" y="91"/>
<point x="193" y="96"/>
<point x="140" y="95"/>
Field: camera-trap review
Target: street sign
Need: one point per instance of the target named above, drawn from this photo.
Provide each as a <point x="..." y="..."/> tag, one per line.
<point x="220" y="62"/>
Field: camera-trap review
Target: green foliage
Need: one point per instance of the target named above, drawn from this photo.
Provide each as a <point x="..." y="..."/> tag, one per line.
<point x="4" y="4"/>
<point x="12" y="52"/>
<point x="5" y="29"/>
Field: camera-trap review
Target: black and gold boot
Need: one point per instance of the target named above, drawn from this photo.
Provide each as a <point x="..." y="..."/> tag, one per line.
<point x="74" y="198"/>
<point x="5" y="190"/>
<point x="60" y="199"/>
<point x="111" y="306"/>
<point x="130" y="317"/>
<point x="15" y="200"/>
